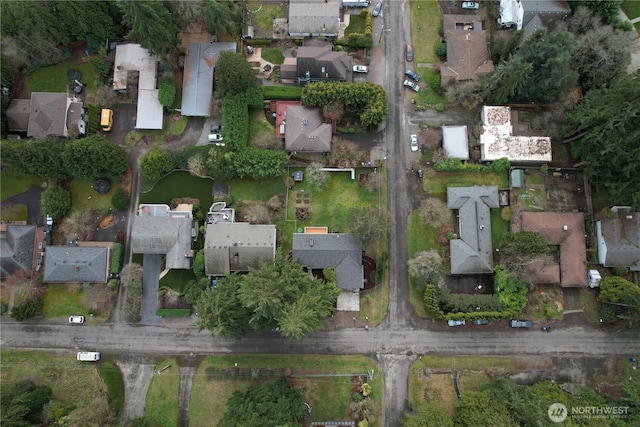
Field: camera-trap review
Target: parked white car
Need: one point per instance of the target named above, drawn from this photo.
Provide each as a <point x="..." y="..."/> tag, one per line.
<point x="455" y="322"/>
<point x="470" y="5"/>
<point x="360" y="69"/>
<point x="414" y="142"/>
<point x="76" y="319"/>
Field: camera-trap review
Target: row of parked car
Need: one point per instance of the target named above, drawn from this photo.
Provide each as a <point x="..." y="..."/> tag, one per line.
<point x="514" y="323"/>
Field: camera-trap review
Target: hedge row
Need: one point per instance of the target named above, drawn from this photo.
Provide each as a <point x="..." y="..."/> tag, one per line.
<point x="453" y="164"/>
<point x="173" y="312"/>
<point x="116" y="258"/>
<point x="432" y="304"/>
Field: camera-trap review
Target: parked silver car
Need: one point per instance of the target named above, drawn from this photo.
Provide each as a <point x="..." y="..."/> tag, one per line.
<point x="411" y="85"/>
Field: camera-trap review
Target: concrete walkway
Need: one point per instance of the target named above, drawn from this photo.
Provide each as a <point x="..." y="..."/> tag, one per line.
<point x="635" y="44"/>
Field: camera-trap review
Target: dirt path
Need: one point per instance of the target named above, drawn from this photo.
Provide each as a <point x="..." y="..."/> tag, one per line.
<point x="137" y="378"/>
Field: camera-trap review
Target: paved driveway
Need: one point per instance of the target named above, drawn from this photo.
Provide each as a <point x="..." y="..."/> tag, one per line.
<point x="150" y="282"/>
<point x="30" y="198"/>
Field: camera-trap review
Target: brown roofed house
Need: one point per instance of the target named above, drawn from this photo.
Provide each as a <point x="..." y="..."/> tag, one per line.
<point x="305" y="131"/>
<point x="468" y="56"/>
<point x="565" y="229"/>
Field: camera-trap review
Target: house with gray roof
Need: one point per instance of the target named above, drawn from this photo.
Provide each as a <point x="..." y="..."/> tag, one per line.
<point x="305" y="131"/>
<point x="619" y="239"/>
<point x="548" y="13"/>
<point x="471" y="252"/>
<point x="197" y="82"/>
<point x="237" y="246"/>
<point x="339" y="251"/>
<point x="82" y="264"/>
<point x="16" y="248"/>
<point x="314" y="18"/>
<point x="318" y="63"/>
<point x="160" y="230"/>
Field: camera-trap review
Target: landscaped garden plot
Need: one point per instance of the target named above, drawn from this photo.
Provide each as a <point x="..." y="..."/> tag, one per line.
<point x="219" y="376"/>
<point x="331" y="206"/>
<point x="161" y="405"/>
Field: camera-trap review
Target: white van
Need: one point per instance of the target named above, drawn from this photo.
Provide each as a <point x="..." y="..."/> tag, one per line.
<point x="88" y="356"/>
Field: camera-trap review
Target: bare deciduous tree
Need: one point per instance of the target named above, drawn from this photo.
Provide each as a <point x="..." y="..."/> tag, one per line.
<point x="254" y="212"/>
<point x="435" y="212"/>
<point x="315" y="176"/>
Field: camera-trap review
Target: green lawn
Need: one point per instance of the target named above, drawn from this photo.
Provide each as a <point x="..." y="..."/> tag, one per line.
<point x="426" y="19"/>
<point x="427" y="96"/>
<point x="84" y="197"/>
<point x="14" y="212"/>
<point x="331" y="207"/>
<point x="438" y="182"/>
<point x="265" y="15"/>
<point x="54" y="77"/>
<point x="59" y="302"/>
<point x="273" y="55"/>
<point x="161" y="405"/>
<point x="13" y="182"/>
<point x="180" y="184"/>
<point x="631" y="8"/>
<point x="177" y="279"/>
<point x="71" y="381"/>
<point x="498" y="227"/>
<point x="250" y="189"/>
<point x="356" y="25"/>
<point x="328" y="396"/>
<point x="422" y="237"/>
<point x="259" y="128"/>
<point x="112" y="378"/>
<point x="374" y="303"/>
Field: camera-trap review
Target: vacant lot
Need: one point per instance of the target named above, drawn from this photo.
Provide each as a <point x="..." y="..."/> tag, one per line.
<point x="327" y="395"/>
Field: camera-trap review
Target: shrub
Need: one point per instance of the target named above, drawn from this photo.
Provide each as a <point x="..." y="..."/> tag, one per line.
<point x="440" y="107"/>
<point x="26" y="310"/>
<point x="119" y="200"/>
<point x="544" y="168"/>
<point x="3" y="308"/>
<point x="281" y="92"/>
<point x="357" y="397"/>
<point x="55" y="201"/>
<point x="100" y="66"/>
<point x="620" y="271"/>
<point x="441" y="50"/>
<point x="155" y="164"/>
<point x="506" y="213"/>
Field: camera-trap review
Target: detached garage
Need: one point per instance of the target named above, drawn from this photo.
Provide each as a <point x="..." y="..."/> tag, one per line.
<point x="455" y="142"/>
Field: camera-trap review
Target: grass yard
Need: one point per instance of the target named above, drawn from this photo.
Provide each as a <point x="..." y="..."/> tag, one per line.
<point x="54" y="78"/>
<point x="60" y="302"/>
<point x="631" y="8"/>
<point x="331" y="207"/>
<point x="356" y="25"/>
<point x="273" y="55"/>
<point x="112" y="378"/>
<point x="428" y="96"/>
<point x="84" y="197"/>
<point x="328" y="396"/>
<point x="426" y="19"/>
<point x="13" y="182"/>
<point x="14" y="212"/>
<point x="590" y="305"/>
<point x="250" y="189"/>
<point x="161" y="405"/>
<point x="375" y="302"/>
<point x="439" y="181"/>
<point x="180" y="184"/>
<point x="262" y="15"/>
<point x="498" y="227"/>
<point x="284" y="235"/>
<point x="177" y="279"/>
<point x="71" y="381"/>
<point x="422" y="237"/>
<point x="259" y="128"/>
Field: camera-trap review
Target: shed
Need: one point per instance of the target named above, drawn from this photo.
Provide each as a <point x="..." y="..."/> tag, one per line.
<point x="517" y="178"/>
<point x="455" y="142"/>
<point x="297" y="176"/>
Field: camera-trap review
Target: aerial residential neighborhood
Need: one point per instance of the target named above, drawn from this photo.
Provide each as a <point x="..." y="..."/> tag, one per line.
<point x="320" y="213"/>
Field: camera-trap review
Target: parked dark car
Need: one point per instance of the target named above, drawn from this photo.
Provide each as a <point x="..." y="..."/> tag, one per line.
<point x="412" y="74"/>
<point x="216" y="128"/>
<point x="409" y="53"/>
